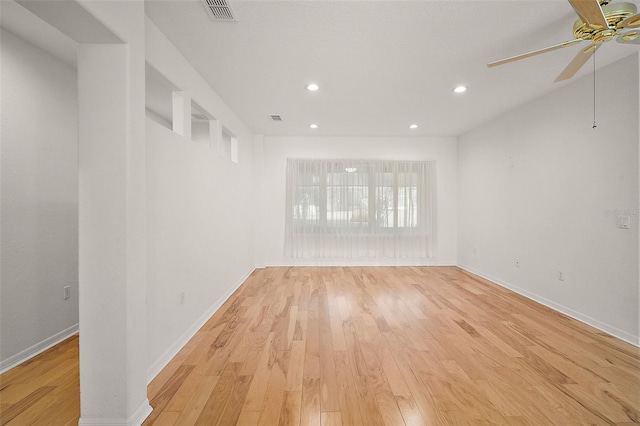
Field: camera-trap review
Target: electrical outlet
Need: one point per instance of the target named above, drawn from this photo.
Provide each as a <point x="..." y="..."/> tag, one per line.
<point x="475" y="250"/>
<point x="182" y="298"/>
<point x="560" y="276"/>
<point x="517" y="263"/>
<point x="66" y="292"/>
<point x="623" y="222"/>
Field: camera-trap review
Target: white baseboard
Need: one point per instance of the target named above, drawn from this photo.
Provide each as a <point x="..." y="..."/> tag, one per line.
<point x="136" y="418"/>
<point x="357" y="262"/>
<point x="600" y="325"/>
<point x="141" y="414"/>
<point x="173" y="350"/>
<point x="38" y="348"/>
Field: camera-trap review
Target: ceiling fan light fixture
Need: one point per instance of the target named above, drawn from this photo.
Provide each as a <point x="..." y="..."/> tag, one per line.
<point x="460" y="89"/>
<point x="413" y="126"/>
<point x="313" y="126"/>
<point x="312" y="87"/>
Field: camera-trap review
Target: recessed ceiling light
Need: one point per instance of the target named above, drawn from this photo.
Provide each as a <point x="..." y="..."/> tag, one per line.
<point x="312" y="87"/>
<point x="413" y="126"/>
<point x="313" y="126"/>
<point x="460" y="89"/>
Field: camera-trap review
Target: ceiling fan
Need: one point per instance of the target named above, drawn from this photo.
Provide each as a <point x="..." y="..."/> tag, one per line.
<point x="598" y="22"/>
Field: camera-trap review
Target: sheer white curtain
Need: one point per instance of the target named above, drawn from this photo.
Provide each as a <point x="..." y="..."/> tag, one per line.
<point x="360" y="209"/>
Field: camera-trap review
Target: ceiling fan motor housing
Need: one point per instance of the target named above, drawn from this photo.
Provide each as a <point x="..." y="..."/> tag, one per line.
<point x="598" y="22"/>
<point x="614" y="13"/>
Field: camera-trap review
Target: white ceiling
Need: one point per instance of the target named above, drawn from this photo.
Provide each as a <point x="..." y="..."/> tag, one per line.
<point x="28" y="26"/>
<point x="381" y="65"/>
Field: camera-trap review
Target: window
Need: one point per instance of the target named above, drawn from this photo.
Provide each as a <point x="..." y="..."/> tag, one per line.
<point x="358" y="208"/>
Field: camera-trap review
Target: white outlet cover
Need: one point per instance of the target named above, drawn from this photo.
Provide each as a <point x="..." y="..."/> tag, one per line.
<point x="623" y="222"/>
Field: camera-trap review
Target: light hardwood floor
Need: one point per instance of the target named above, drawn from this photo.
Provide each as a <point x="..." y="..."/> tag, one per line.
<point x="44" y="390"/>
<point x="384" y="345"/>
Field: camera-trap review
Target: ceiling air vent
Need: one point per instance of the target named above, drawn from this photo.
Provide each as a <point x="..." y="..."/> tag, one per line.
<point x="275" y="117"/>
<point x="219" y="10"/>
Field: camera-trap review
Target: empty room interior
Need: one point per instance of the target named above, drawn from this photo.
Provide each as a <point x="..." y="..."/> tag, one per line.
<point x="219" y="212"/>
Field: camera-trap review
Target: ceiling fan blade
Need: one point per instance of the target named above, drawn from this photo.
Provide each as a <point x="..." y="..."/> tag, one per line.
<point x="535" y="52"/>
<point x="590" y="13"/>
<point x="581" y="58"/>
<point x="630" y="37"/>
<point x="631" y="22"/>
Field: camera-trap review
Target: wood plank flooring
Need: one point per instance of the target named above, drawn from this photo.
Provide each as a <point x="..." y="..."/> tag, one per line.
<point x="368" y="346"/>
<point x="44" y="390"/>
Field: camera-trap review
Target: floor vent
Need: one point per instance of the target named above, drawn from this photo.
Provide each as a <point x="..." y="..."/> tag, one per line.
<point x="275" y="117"/>
<point x="219" y="10"/>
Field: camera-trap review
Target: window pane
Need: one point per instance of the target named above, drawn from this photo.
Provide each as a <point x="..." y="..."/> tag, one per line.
<point x="306" y="204"/>
<point x="407" y="200"/>
<point x="347" y="199"/>
<point x="407" y="207"/>
<point x="384" y="206"/>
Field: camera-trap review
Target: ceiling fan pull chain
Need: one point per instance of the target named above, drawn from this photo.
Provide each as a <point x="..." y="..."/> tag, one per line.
<point x="594" y="91"/>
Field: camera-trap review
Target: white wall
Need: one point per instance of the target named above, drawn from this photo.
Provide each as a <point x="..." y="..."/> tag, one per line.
<point x="200" y="236"/>
<point x="537" y="185"/>
<point x="39" y="196"/>
<point x="200" y="212"/>
<point x="278" y="149"/>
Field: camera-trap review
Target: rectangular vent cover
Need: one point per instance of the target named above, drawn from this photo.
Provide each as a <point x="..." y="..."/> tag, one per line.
<point x="219" y="10"/>
<point x="275" y="117"/>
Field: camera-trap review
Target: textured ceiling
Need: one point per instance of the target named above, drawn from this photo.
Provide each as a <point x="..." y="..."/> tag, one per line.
<point x="381" y="65"/>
